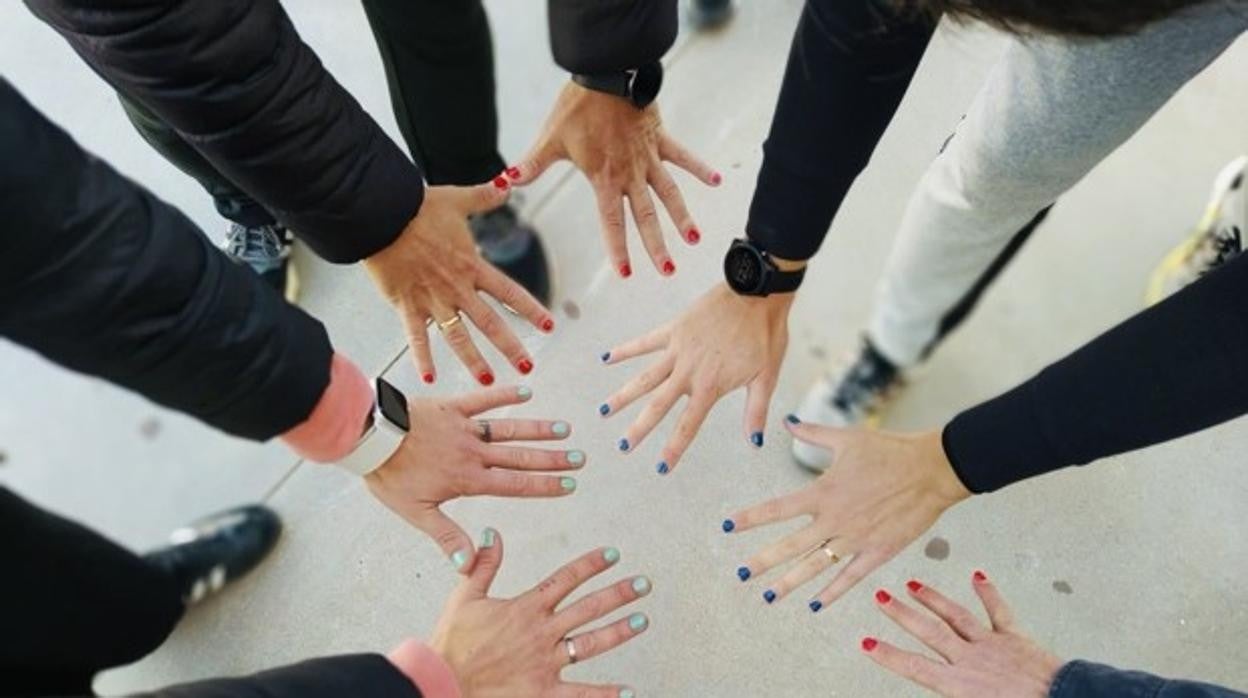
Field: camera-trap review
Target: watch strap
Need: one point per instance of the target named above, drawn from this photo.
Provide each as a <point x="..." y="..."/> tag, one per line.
<point x="618" y="83"/>
<point x="783" y="281"/>
<point x="375" y="448"/>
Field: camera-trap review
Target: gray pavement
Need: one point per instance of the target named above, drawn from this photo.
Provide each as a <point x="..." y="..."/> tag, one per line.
<point x="1137" y="561"/>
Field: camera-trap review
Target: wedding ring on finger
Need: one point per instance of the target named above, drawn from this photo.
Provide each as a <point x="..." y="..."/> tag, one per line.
<point x="833" y="558"/>
<point x="570" y="646"/>
<point x="483" y="426"/>
<point x="444" y="325"/>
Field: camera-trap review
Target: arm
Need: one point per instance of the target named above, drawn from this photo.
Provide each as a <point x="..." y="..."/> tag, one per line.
<point x="365" y="675"/>
<point x="1080" y="678"/>
<point x="1169" y="371"/>
<point x="604" y="36"/>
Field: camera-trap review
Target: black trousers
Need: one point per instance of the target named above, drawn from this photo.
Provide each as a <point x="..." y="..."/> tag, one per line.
<point x="439" y="61"/>
<point x="72" y="603"/>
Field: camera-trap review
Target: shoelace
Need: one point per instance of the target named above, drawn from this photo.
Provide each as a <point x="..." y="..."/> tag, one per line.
<point x="864" y="384"/>
<point x="261" y="247"/>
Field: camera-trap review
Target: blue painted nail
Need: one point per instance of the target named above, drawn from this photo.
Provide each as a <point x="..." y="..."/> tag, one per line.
<point x="638" y="622"/>
<point x="459" y="558"/>
<point x="604" y="409"/>
<point x="576" y="458"/>
<point x="623" y="444"/>
<point x="728" y="525"/>
<point x="606" y="356"/>
<point x="560" y="428"/>
<point x="568" y="484"/>
<point x="743" y="573"/>
<point x="488" y="537"/>
<point x="769" y="596"/>
<point x="757" y="438"/>
<point x="611" y="555"/>
<point x="524" y="392"/>
<point x="662" y="467"/>
<point x="792" y="419"/>
<point x="815" y="606"/>
<point x="627" y="693"/>
<point x="641" y="586"/>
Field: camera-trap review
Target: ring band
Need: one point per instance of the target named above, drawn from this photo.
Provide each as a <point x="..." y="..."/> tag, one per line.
<point x="570" y="646"/>
<point x="484" y="426"/>
<point x="444" y="325"/>
<point x="833" y="558"/>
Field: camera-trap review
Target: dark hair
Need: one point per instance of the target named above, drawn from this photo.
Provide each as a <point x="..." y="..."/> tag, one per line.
<point x="1071" y="17"/>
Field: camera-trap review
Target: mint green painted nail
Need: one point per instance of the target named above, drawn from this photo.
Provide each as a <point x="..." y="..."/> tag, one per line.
<point x="560" y="428"/>
<point x="638" y="622"/>
<point x="576" y="457"/>
<point x="487" y="538"/>
<point x="611" y="555"/>
<point x="641" y="585"/>
<point x="524" y="392"/>
<point x="627" y="693"/>
<point x="459" y="558"/>
<point x="568" y="484"/>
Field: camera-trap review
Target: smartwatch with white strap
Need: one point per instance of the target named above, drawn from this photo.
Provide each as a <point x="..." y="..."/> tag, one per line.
<point x="387" y="426"/>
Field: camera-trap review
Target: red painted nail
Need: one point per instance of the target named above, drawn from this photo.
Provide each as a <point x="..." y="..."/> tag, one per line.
<point x="500" y="182"/>
<point x="716" y="178"/>
<point x="548" y="325"/>
<point x="869" y="643"/>
<point x="427" y="377"/>
<point x="524" y="365"/>
<point x="979" y="576"/>
<point x="693" y="236"/>
<point x="486" y="378"/>
<point x="914" y="585"/>
<point x="513" y="172"/>
<point x="883" y="596"/>
<point x="626" y="270"/>
<point x="669" y="267"/>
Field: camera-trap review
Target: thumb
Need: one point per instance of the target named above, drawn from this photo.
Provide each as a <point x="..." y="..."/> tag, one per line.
<point x="489" y="559"/>
<point x="543" y="153"/>
<point x="455" y="543"/>
<point x="479" y="198"/>
<point x="831" y="438"/>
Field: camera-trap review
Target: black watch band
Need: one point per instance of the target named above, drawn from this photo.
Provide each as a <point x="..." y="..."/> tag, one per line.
<point x="640" y="86"/>
<point x="750" y="271"/>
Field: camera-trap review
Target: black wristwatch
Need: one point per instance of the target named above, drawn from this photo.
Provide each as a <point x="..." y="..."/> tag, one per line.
<point x="750" y="271"/>
<point x="639" y="86"/>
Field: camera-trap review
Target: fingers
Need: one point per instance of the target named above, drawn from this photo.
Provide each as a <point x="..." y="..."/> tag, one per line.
<point x="511" y="294"/>
<point x="771" y="511"/>
<point x="455" y="543"/>
<point x="757" y="399"/>
<point x="478" y="198"/>
<point x="604" y="639"/>
<point x="489" y="559"/>
<point x="696" y="410"/>
<point x="999" y="612"/>
<point x="418" y="340"/>
<point x="811" y="564"/>
<point x="542" y="155"/>
<point x="514" y="458"/>
<point x="478" y="401"/>
<point x="669" y="194"/>
<point x="864" y="563"/>
<point x="460" y="340"/>
<point x="647" y="219"/>
<point x="681" y="157"/>
<point x="651" y="341"/>
<point x="555" y="588"/>
<point x="513" y="483"/>
<point x="928" y="630"/>
<point x="588" y="690"/>
<point x="611" y="217"/>
<point x="502" y="430"/>
<point x="639" y="385"/>
<point x="928" y="673"/>
<point x="831" y="438"/>
<point x="962" y="621"/>
<point x="601" y="602"/>
<point x="498" y="332"/>
<point x="658" y="407"/>
<point x="789" y="547"/>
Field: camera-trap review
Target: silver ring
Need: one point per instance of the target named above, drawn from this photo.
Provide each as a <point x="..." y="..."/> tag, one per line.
<point x="484" y="426"/>
<point x="570" y="646"/>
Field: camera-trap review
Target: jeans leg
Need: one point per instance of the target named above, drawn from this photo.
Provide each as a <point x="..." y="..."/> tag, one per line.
<point x="439" y="61"/>
<point x="73" y="603"/>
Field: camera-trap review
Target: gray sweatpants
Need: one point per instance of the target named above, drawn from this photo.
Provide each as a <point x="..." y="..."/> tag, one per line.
<point x="1051" y="109"/>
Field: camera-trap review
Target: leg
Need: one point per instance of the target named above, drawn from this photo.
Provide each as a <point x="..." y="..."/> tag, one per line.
<point x="73" y="603"/>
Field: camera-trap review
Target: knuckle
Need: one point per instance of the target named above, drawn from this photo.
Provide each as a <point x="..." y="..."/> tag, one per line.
<point x="589" y="644"/>
<point x="594" y="607"/>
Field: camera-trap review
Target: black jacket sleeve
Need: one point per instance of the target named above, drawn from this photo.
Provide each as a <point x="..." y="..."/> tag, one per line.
<point x="98" y="275"/>
<point x="357" y="676"/>
<point x="235" y="80"/>
<point x="1079" y="679"/>
<point x="1174" y="369"/>
<point x="849" y="67"/>
<point x="605" y="36"/>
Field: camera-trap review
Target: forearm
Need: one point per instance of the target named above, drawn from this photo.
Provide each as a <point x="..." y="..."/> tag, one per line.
<point x="1080" y="679"/>
<point x="235" y="80"/>
<point x="1171" y="370"/>
<point x="603" y="36"/>
<point x="849" y="67"/>
<point x="365" y="676"/>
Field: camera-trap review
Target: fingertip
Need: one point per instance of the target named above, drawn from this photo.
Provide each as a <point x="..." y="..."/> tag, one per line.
<point x="715" y="178"/>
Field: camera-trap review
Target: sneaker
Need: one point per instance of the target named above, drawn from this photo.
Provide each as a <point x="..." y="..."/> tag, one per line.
<point x="705" y="15"/>
<point x="214" y="551"/>
<point x="852" y="396"/>
<point x="1217" y="239"/>
<point x="266" y="249"/>
<point x="514" y="247"/>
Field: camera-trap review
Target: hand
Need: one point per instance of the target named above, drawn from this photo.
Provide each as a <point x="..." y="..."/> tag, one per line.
<point x="977" y="660"/>
<point x="448" y="455"/>
<point x="518" y="647"/>
<point x="434" y="273"/>
<point x="621" y="149"/>
<point x="879" y="494"/>
<point x="723" y="342"/>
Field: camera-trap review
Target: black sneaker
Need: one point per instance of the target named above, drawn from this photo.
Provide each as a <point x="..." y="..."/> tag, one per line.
<point x="514" y="247"/>
<point x="852" y="396"/>
<point x="266" y="249"/>
<point x="211" y="552"/>
<point x="709" y="14"/>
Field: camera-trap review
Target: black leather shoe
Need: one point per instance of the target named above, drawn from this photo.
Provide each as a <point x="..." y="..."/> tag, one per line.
<point x="514" y="247"/>
<point x="208" y="554"/>
<point x="709" y="14"/>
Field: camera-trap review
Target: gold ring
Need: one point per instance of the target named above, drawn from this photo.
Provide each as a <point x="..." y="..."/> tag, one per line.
<point x="570" y="646"/>
<point x="444" y="325"/>
<point x="833" y="558"/>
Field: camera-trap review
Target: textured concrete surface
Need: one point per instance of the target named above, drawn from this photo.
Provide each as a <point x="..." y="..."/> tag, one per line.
<point x="1136" y="561"/>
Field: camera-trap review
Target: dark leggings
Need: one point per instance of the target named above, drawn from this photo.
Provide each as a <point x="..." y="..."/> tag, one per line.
<point x="439" y="63"/>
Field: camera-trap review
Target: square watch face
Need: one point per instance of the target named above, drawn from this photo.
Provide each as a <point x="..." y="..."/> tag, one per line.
<point x="393" y="404"/>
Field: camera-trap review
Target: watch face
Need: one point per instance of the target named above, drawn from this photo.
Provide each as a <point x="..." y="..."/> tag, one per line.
<point x="393" y="404"/>
<point x="743" y="268"/>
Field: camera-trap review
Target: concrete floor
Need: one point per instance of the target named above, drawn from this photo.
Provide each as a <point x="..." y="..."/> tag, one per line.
<point x="1137" y="561"/>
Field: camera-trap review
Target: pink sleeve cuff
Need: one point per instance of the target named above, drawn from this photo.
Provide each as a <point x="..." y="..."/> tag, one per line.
<point x="426" y="669"/>
<point x="337" y="421"/>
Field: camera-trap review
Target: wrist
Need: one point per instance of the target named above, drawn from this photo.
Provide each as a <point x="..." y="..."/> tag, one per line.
<point x="426" y="669"/>
<point x="944" y="479"/>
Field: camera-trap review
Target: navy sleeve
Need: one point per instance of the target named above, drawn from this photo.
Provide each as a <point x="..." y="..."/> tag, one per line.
<point x="359" y="676"/>
<point x="1080" y="679"/>
<point x="605" y="36"/>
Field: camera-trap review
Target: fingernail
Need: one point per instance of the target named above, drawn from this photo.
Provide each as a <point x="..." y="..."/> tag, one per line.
<point x="641" y="586"/>
<point x="513" y="172"/>
<point x="769" y="596"/>
<point x="914" y="586"/>
<point x="728" y="525"/>
<point x="568" y="484"/>
<point x="459" y="558"/>
<point x="611" y="555"/>
<point x="486" y="378"/>
<point x="669" y="267"/>
<point x="627" y="693"/>
<point x="815" y="605"/>
<point x="524" y="392"/>
<point x="560" y="428"/>
<point x="716" y="178"/>
<point x="576" y="458"/>
<point x="606" y="356"/>
<point x="693" y="236"/>
<point x="869" y="644"/>
<point x="524" y="365"/>
<point x="662" y="467"/>
<point x="792" y="419"/>
<point x="626" y="270"/>
<point x="487" y="538"/>
<point x="501" y="183"/>
<point x="604" y="409"/>
<point x="548" y="324"/>
<point x="757" y="439"/>
<point x="623" y="445"/>
<point x="638" y="622"/>
<point x="743" y="573"/>
<point x="979" y="576"/>
<point x="427" y="377"/>
<point x="883" y="596"/>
